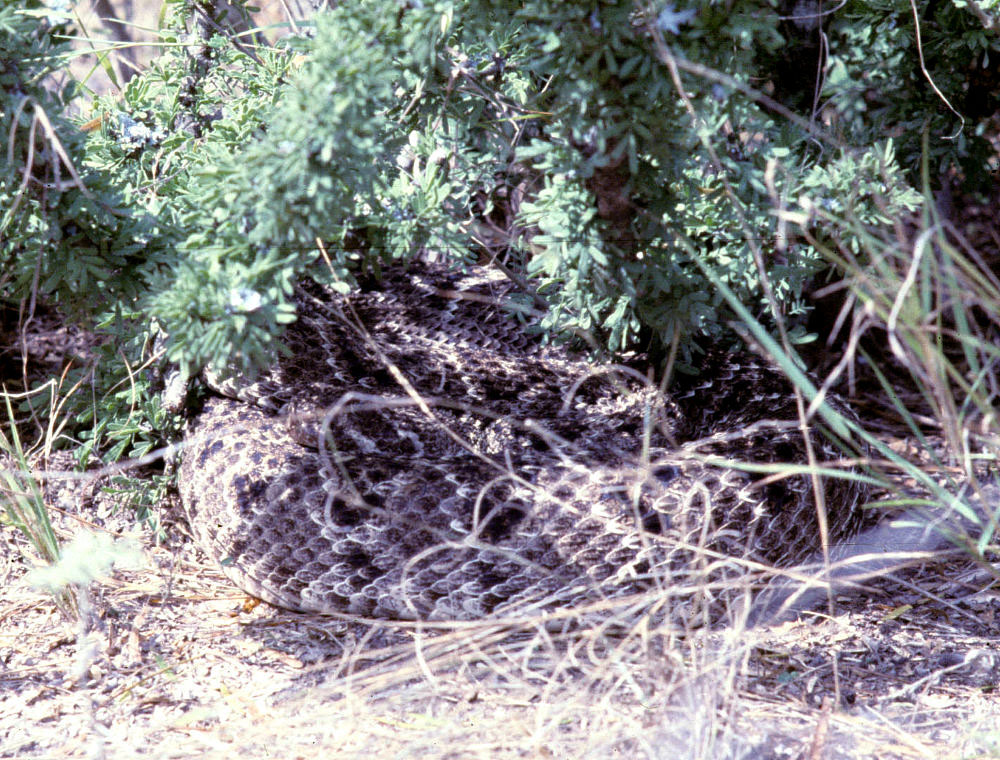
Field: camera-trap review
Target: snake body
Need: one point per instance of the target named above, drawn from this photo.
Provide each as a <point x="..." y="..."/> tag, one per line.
<point x="419" y="454"/>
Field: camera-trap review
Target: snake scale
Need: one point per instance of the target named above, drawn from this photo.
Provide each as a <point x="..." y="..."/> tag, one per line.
<point x="420" y="454"/>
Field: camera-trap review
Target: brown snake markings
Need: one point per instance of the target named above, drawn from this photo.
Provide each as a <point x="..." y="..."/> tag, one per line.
<point x="500" y="475"/>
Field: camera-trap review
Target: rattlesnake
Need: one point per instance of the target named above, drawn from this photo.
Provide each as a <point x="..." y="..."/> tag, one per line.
<point x="418" y="453"/>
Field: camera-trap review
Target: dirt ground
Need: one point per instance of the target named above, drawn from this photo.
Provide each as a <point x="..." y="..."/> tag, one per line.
<point x="172" y="661"/>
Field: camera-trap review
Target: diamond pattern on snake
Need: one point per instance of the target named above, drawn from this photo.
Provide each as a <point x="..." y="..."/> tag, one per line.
<point x="419" y="454"/>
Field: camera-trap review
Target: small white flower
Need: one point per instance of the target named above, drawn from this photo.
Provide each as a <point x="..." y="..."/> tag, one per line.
<point x="438" y="156"/>
<point x="244" y="301"/>
<point x="58" y="11"/>
<point x="671" y="20"/>
<point x="138" y="132"/>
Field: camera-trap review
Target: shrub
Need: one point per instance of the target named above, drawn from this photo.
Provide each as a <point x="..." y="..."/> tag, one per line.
<point x="608" y="152"/>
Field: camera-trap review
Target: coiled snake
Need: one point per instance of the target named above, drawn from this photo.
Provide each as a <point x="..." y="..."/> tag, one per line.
<point x="419" y="454"/>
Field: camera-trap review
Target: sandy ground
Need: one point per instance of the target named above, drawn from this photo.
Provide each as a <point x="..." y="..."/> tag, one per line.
<point x="172" y="661"/>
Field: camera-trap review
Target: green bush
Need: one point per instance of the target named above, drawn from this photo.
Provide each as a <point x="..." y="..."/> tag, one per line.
<point x="66" y="229"/>
<point x="550" y="135"/>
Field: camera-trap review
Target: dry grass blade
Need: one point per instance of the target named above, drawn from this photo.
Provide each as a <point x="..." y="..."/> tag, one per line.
<point x="24" y="501"/>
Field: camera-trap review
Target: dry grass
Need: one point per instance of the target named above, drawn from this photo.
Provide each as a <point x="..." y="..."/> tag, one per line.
<point x="170" y="661"/>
